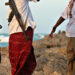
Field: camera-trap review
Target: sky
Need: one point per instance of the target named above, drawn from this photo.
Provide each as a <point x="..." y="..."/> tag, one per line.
<point x="45" y="14"/>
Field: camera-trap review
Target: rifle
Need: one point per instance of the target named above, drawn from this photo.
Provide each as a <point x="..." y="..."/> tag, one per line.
<point x="15" y="12"/>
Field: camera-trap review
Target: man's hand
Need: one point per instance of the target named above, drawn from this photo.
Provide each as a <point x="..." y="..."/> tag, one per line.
<point x="7" y="3"/>
<point x="51" y="35"/>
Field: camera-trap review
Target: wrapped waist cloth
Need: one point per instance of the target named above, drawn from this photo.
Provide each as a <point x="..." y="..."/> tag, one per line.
<point x="21" y="53"/>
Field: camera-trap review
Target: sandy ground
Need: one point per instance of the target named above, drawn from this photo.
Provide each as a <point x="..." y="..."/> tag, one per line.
<point x="50" y="55"/>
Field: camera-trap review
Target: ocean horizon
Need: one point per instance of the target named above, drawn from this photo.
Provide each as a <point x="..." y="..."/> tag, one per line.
<point x="45" y="14"/>
<point x="4" y="38"/>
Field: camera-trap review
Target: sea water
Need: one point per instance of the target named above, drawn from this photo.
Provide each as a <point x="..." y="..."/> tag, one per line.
<point x="5" y="38"/>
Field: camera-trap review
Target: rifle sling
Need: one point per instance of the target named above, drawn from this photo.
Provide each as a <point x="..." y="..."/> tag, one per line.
<point x="11" y="16"/>
<point x="18" y="16"/>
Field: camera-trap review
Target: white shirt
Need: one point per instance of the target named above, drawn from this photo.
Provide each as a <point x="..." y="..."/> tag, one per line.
<point x="24" y="10"/>
<point x="70" y="29"/>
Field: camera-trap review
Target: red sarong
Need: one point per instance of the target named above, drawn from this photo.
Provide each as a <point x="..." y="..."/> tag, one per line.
<point x="21" y="53"/>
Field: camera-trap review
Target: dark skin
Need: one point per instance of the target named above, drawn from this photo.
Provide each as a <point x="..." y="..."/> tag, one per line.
<point x="60" y="20"/>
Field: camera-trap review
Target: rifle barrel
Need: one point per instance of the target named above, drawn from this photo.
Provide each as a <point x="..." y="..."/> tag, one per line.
<point x="7" y="3"/>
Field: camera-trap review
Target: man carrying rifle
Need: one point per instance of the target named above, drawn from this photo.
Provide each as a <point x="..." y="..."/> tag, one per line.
<point x="21" y="26"/>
